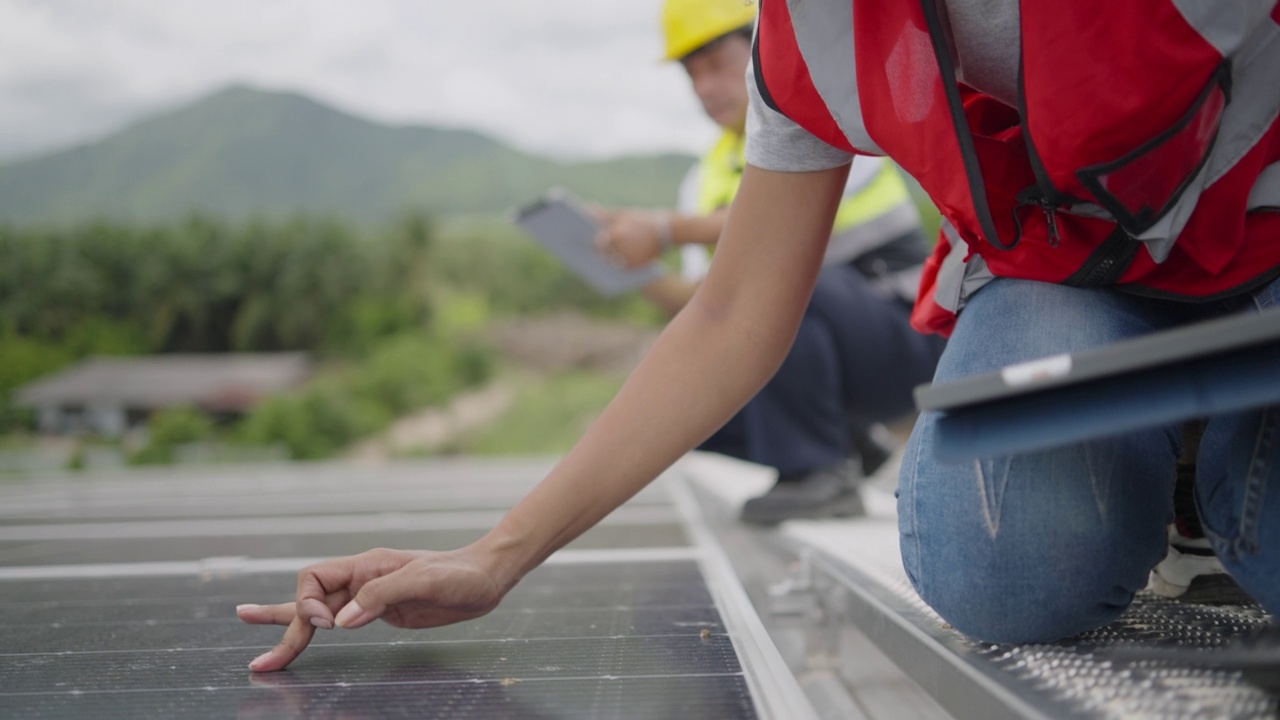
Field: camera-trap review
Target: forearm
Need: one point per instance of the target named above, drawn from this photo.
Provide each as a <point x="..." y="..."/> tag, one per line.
<point x="709" y="361"/>
<point x="697" y="229"/>
<point x="641" y="432"/>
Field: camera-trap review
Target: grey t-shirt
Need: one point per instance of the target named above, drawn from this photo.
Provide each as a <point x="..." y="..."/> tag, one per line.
<point x="986" y="36"/>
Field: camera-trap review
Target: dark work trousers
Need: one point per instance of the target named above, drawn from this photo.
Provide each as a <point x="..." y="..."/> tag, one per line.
<point x="855" y="362"/>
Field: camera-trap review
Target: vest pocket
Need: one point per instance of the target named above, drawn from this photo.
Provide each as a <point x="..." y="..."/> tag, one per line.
<point x="1142" y="186"/>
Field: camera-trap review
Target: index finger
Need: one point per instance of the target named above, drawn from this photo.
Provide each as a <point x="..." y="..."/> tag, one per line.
<point x="279" y="614"/>
<point x="295" y="640"/>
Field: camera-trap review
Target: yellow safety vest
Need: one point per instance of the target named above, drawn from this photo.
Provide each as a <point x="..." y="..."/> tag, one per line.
<point x="721" y="173"/>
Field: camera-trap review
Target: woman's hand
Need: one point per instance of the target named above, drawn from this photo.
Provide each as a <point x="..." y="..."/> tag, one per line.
<point x="409" y="589"/>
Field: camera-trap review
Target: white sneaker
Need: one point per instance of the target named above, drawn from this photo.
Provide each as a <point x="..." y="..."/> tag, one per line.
<point x="1193" y="573"/>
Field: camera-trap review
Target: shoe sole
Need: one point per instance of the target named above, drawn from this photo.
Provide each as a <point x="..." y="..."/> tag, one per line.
<point x="1217" y="589"/>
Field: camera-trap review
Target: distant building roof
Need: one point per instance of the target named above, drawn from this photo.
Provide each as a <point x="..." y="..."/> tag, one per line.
<point x="230" y="381"/>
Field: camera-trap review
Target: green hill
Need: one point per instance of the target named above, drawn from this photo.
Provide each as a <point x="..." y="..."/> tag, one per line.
<point x="243" y="151"/>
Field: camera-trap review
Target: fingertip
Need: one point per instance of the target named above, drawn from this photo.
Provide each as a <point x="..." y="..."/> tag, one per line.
<point x="262" y="663"/>
<point x="252" y="614"/>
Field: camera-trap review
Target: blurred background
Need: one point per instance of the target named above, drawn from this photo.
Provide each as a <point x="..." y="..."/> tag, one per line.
<point x="255" y="230"/>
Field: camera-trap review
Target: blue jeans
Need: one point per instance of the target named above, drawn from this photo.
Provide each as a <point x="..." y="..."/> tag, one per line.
<point x="1044" y="545"/>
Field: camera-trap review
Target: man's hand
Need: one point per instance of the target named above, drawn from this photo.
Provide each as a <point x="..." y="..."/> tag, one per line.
<point x="408" y="589"/>
<point x="632" y="238"/>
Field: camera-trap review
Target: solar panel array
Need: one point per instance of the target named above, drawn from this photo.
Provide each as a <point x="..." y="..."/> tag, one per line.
<point x="103" y="615"/>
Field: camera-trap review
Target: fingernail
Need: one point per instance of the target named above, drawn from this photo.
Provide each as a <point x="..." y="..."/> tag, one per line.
<point x="322" y="623"/>
<point x="349" y="613"/>
<point x="258" y="660"/>
<point x="247" y="606"/>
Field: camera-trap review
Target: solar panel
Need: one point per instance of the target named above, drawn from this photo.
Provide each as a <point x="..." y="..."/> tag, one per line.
<point x="84" y="632"/>
<point x="615" y="640"/>
<point x="313" y="544"/>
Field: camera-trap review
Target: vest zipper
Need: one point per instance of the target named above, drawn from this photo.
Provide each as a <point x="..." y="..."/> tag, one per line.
<point x="1044" y="193"/>
<point x="1107" y="263"/>
<point x="1051" y="217"/>
<point x="1034" y="196"/>
<point x="1109" y="260"/>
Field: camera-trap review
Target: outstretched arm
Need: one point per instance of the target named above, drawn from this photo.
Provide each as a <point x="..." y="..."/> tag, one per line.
<point x="717" y="352"/>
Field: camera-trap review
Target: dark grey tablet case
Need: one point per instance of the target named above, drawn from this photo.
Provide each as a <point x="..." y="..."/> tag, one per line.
<point x="562" y="225"/>
<point x="1216" y="366"/>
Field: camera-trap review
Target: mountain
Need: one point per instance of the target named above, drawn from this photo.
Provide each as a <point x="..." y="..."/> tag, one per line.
<point x="243" y="151"/>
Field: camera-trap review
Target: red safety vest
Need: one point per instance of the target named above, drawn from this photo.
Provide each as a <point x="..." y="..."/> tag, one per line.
<point x="1157" y="172"/>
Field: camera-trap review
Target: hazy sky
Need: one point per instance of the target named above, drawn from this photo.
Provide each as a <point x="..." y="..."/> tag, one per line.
<point x="564" y="77"/>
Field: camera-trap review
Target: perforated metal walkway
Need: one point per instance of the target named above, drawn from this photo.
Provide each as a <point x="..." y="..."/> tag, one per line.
<point x="848" y="585"/>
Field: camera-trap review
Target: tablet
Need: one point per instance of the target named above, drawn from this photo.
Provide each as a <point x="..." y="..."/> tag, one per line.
<point x="1160" y="348"/>
<point x="1223" y="365"/>
<point x="561" y="223"/>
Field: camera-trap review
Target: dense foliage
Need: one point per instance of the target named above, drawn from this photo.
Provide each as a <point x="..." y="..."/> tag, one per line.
<point x="348" y="403"/>
<point x="386" y="313"/>
<point x="514" y="276"/>
<point x="206" y="286"/>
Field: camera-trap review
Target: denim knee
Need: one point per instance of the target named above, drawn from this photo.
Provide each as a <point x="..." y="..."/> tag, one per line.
<point x="1039" y="546"/>
<point x="1000" y="604"/>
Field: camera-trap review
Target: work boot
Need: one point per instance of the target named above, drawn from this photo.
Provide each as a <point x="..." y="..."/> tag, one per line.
<point x="821" y="493"/>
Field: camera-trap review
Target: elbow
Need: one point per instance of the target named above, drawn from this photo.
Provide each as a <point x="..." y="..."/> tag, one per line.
<point x="747" y="325"/>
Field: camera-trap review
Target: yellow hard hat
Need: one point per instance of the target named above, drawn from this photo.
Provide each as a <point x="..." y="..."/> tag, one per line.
<point x="690" y="24"/>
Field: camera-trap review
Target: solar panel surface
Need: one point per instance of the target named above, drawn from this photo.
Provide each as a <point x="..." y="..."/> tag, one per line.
<point x="88" y="628"/>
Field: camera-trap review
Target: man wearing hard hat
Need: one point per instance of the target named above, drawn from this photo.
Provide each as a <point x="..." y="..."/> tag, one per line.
<point x="855" y="358"/>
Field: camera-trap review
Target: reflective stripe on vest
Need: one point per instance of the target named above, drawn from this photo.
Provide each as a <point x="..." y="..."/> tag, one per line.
<point x="822" y="38"/>
<point x="884" y="206"/>
<point x="873" y="216"/>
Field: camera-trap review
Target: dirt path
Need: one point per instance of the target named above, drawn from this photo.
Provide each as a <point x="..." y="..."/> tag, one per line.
<point x="435" y="428"/>
<point x="569" y="341"/>
<point x="551" y="344"/>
